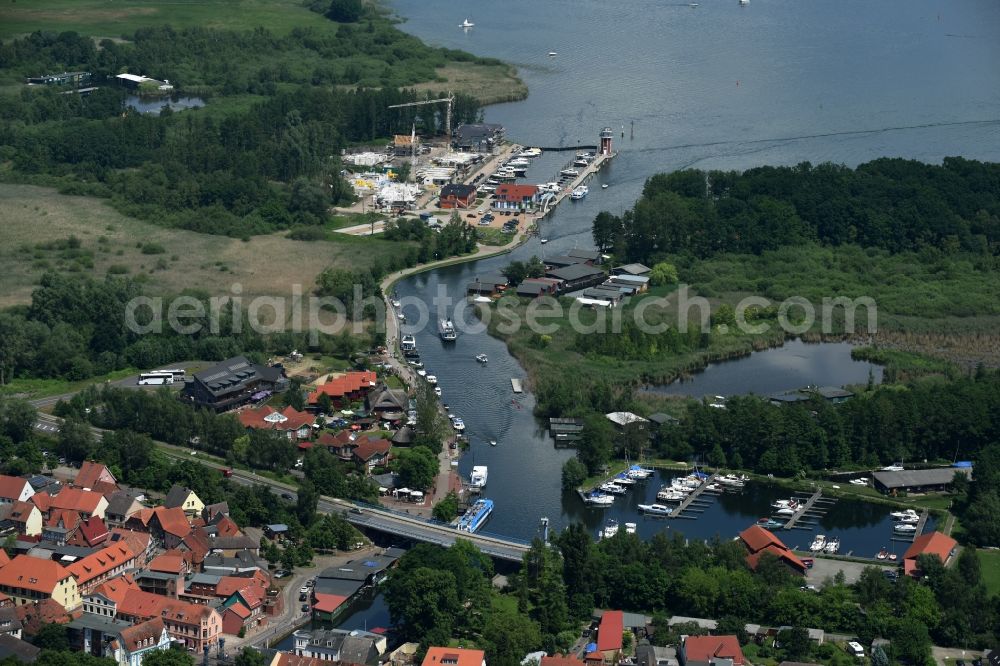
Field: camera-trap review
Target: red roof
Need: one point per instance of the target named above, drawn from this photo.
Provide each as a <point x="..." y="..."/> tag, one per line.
<point x="173" y="521"/>
<point x="287" y="419"/>
<point x="453" y="657"/>
<point x="147" y="605"/>
<point x="90" y="473"/>
<point x="172" y="564"/>
<point x="787" y="556"/>
<point x="229" y="585"/>
<point x="11" y="487"/>
<point x="35" y="615"/>
<point x="707" y="648"/>
<point x="350" y="382"/>
<point x="116" y="588"/>
<point x="32" y="573"/>
<point x="99" y="563"/>
<point x="20" y="511"/>
<point x="4" y="557"/>
<point x="289" y="659"/>
<point x="560" y="660"/>
<point x="933" y="543"/>
<point x="609" y="634"/>
<point x="94" y="531"/>
<point x="74" y="499"/>
<point x="369" y="447"/>
<point x="509" y="192"/>
<point x="142" y="632"/>
<point x="327" y="603"/>
<point x="240" y="610"/>
<point x="757" y="538"/>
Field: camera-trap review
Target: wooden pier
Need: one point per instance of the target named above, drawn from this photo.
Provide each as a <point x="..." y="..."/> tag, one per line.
<point x="586" y="174"/>
<point x="804" y="510"/>
<point x="685" y="505"/>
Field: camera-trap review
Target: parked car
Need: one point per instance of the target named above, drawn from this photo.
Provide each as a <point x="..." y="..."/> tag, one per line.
<point x="287" y="496"/>
<point x="304" y="596"/>
<point x="281" y="573"/>
<point x="306" y="608"/>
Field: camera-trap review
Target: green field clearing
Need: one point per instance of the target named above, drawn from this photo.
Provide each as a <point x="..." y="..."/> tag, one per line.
<point x="989" y="561"/>
<point x="32" y="216"/>
<point x="115" y="18"/>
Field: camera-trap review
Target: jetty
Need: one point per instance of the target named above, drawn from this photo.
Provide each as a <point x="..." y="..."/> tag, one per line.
<point x="804" y="510"/>
<point x="921" y="524"/>
<point x="691" y="499"/>
<point x="516" y="385"/>
<point x="586" y="174"/>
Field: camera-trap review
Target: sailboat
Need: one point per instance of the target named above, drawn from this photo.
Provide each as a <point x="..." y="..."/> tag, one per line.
<point x="466" y="24"/>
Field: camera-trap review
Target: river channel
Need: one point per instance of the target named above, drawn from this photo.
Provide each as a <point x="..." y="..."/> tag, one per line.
<point x="714" y="86"/>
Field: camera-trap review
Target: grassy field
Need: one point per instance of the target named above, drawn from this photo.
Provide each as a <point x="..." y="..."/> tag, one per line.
<point x="33" y="217"/>
<point x="989" y="561"/>
<point x="489" y="84"/>
<point x="115" y="18"/>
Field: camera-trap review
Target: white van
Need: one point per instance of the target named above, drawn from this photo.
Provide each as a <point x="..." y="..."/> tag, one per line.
<point x="855" y="648"/>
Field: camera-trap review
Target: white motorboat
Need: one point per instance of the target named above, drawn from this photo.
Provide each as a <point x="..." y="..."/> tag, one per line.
<point x="552" y="54"/>
<point x="882" y="554"/>
<point x="604" y="186"/>
<point x="402" y="317"/>
<point x="549" y="187"/>
<point x="518" y="162"/>
<point x="899" y="515"/>
<point x="732" y="480"/>
<point x="692" y="4"/>
<point x="569" y="173"/>
<point x="832" y="546"/>
<point x="637" y="471"/>
<point x="493" y="442"/>
<point x="656" y="509"/>
<point x="395" y="303"/>
<point x="431" y="379"/>
<point x="630" y="528"/>
<point x="544" y="241"/>
<point x="612" y="488"/>
<point x="786" y="511"/>
<point x="421" y="372"/>
<point x="479" y="475"/>
<point x="599" y="499"/>
<point x="610" y="529"/>
<point x="907" y="528"/>
<point x="482" y="358"/>
<point x="669" y="495"/>
<point x="579" y="192"/>
<point x="466" y="24"/>
<point x="786" y="504"/>
<point x="624" y="478"/>
<point x="580" y="162"/>
<point x="458" y="424"/>
<point x="530" y="152"/>
<point x="408" y="343"/>
<point x="910" y="519"/>
<point x="894" y="467"/>
<point x="859" y="482"/>
<point x="819" y="543"/>
<point x="744" y="2"/>
<point x="437" y="391"/>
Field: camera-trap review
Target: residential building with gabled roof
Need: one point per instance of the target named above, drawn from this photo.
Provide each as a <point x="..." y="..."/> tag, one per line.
<point x="85" y="502"/>
<point x="91" y="473"/>
<point x="609" y="636"/>
<point x="170" y="526"/>
<point x="122" y="505"/>
<point x="759" y="541"/>
<point x="91" y="533"/>
<point x="185" y="499"/>
<point x="290" y="422"/>
<point x="22" y="516"/>
<point x="708" y="650"/>
<point x="449" y="656"/>
<point x="28" y="579"/>
<point x="139" y="640"/>
<point x="932" y="543"/>
<point x="19" y="650"/>
<point x="193" y="624"/>
<point x="14" y="489"/>
<point x="344" y="388"/>
<point x="101" y="566"/>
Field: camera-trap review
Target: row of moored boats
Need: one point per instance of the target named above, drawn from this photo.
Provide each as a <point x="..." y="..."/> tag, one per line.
<point x="604" y="495"/>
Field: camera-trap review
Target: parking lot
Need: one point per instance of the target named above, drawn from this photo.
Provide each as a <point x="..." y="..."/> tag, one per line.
<point x="824" y="569"/>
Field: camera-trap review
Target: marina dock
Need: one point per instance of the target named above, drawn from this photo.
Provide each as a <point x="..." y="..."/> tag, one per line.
<point x="685" y="505"/>
<point x="804" y="511"/>
<point x="516" y="385"/>
<point x="586" y="174"/>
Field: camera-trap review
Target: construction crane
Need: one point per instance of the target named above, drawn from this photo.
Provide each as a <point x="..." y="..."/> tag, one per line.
<point x="450" y="100"/>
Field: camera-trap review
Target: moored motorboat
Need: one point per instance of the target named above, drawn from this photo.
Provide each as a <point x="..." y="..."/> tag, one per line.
<point x="832" y="546"/>
<point x="579" y="192"/>
<point x="785" y="511"/>
<point x="630" y="528"/>
<point x="900" y="515"/>
<point x="612" y="488"/>
<point x="624" y="478"/>
<point x="431" y="379"/>
<point x="906" y="528"/>
<point x="599" y="499"/>
<point x="610" y="529"/>
<point x="656" y="509"/>
<point x="458" y="424"/>
<point x="882" y="554"/>
<point x="569" y="173"/>
<point x="640" y="471"/>
<point x="819" y="543"/>
<point x="437" y="391"/>
<point x="480" y="473"/>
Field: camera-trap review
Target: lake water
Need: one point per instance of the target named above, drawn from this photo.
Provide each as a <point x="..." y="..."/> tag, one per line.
<point x="792" y="366"/>
<point x="717" y="86"/>
<point x="154" y="105"/>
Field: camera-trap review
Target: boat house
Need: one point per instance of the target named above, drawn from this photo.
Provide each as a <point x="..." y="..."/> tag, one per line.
<point x="759" y="541"/>
<point x="577" y="276"/>
<point x="917" y="480"/>
<point x="632" y="269"/>
<point x="933" y="543"/>
<point x="492" y="284"/>
<point x="64" y="79"/>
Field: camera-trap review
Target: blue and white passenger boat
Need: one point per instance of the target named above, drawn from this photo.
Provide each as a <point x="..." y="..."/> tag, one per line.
<point x="475" y="516"/>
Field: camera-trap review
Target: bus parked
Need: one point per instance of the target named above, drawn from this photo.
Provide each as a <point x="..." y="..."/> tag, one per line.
<point x="156" y="378"/>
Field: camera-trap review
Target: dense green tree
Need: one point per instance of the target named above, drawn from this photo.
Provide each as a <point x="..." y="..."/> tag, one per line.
<point x="250" y="657"/>
<point x="447" y="509"/>
<point x="53" y="637"/>
<point x="417" y="467"/>
<point x="306" y="500"/>
<point x="17" y="418"/>
<point x="168" y="658"/>
<point x="596" y="443"/>
<point x="663" y="274"/>
<point x="508" y="636"/>
<point x="573" y="473"/>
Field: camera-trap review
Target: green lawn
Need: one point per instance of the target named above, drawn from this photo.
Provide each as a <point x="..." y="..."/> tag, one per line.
<point x="989" y="561"/>
<point x="42" y="388"/>
<point x="115" y="18"/>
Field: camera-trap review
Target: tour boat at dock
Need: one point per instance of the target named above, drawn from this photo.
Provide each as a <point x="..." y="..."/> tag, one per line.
<point x="476" y="515"/>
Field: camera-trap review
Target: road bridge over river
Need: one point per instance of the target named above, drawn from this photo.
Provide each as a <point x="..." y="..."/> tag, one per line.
<point x="364" y="516"/>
